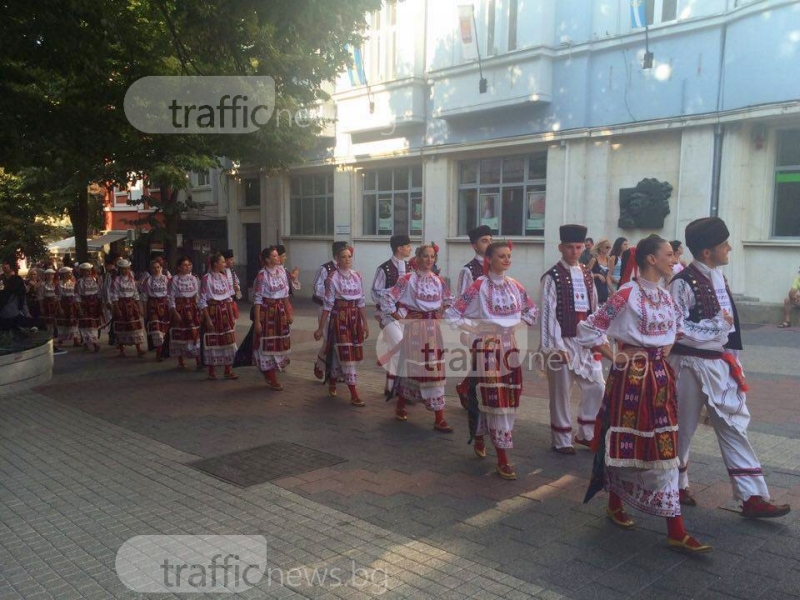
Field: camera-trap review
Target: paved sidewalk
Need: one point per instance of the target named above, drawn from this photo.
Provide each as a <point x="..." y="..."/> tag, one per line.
<point x="102" y="454"/>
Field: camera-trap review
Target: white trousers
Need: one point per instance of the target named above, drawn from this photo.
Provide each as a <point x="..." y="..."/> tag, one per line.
<point x="744" y="468"/>
<point x="559" y="382"/>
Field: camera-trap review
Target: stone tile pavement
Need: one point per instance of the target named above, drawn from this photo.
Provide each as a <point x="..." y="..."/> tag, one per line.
<point x="101" y="453"/>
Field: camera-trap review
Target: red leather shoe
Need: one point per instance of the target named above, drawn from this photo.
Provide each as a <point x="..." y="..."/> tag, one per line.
<point x="755" y="507"/>
<point x="619" y="518"/>
<point x="443" y="427"/>
<point x="565" y="450"/>
<point x="686" y="498"/>
<point x="689" y="544"/>
<point x="580" y="442"/>
<point x="506" y="471"/>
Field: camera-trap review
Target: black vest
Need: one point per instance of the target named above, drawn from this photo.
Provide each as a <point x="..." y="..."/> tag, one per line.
<point x="329" y="267"/>
<point x="706" y="304"/>
<point x="392" y="273"/>
<point x="475" y="267"/>
<point x="565" y="300"/>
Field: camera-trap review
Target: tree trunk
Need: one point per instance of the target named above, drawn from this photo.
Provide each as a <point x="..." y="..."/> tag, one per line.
<point x="79" y="217"/>
<point x="172" y="217"/>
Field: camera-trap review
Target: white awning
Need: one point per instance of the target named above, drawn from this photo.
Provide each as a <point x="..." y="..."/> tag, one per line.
<point x="106" y="238"/>
<point x="63" y="246"/>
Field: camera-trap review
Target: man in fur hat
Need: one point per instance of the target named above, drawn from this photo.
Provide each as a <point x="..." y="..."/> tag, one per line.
<point x="706" y="363"/>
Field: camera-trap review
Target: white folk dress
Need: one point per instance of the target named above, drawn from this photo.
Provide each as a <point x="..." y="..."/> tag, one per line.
<point x="271" y="291"/>
<point x="184" y="335"/>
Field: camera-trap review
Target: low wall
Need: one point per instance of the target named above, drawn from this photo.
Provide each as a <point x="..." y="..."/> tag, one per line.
<point x="26" y="369"/>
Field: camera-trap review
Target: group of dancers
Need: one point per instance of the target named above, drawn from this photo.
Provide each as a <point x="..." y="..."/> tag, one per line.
<point x="672" y="340"/>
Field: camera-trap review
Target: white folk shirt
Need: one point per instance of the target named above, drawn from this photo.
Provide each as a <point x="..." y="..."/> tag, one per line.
<point x="271" y="283"/>
<point x="46" y="290"/>
<point x="123" y="287"/>
<point x="496" y="298"/>
<point x="465" y="276"/>
<point x="182" y="286"/>
<point x="582" y="361"/>
<point x="640" y="314"/>
<point x="345" y="285"/>
<point x="215" y="286"/>
<point x="87" y="286"/>
<point x="66" y="288"/>
<point x="319" y="282"/>
<point x="423" y="292"/>
<point x="155" y="287"/>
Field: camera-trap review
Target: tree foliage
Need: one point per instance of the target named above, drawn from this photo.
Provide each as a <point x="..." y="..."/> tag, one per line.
<point x="66" y="64"/>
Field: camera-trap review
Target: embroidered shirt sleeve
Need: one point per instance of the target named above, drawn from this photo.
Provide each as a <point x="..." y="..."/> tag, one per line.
<point x="388" y="304"/>
<point x="329" y="296"/>
<point x="529" y="311"/>
<point x="362" y="300"/>
<point x="258" y="288"/>
<point x="171" y="292"/>
<point x="706" y="334"/>
<point x="378" y="286"/>
<point x="592" y="331"/>
<point x="319" y="282"/>
<point x="464" y="280"/>
<point x="465" y="306"/>
<point x="202" y="301"/>
<point x="447" y="295"/>
<point x="551" y="340"/>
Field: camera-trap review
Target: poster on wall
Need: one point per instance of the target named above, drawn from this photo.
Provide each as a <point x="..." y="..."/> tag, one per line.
<point x="416" y="215"/>
<point x="385" y="220"/>
<point x="536" y="202"/>
<point x="488" y="208"/>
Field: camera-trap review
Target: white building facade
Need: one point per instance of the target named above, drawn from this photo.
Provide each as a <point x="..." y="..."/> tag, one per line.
<point x="569" y="118"/>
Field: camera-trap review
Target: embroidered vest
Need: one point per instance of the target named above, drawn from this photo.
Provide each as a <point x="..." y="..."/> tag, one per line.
<point x="565" y="301"/>
<point x="475" y="268"/>
<point x="329" y="267"/>
<point x="706" y="303"/>
<point x="392" y="274"/>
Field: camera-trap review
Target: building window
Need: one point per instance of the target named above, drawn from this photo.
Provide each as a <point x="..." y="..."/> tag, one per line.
<point x="512" y="25"/>
<point x="311" y="205"/>
<point x="393" y="201"/>
<point x="507" y="194"/>
<point x="490" y="26"/>
<point x="661" y="11"/>
<point x="380" y="50"/>
<point x="201" y="178"/>
<point x="252" y="191"/>
<point x="786" y="221"/>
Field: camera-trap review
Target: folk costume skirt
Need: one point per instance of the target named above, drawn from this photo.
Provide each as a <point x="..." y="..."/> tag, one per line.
<point x="421" y="371"/>
<point x="90" y="319"/>
<point x="636" y="436"/>
<point x="128" y="324"/>
<point x="343" y="346"/>
<point x="184" y="335"/>
<point x="157" y="319"/>
<point x="271" y="349"/>
<point x="219" y="346"/>
<point x="67" y="319"/>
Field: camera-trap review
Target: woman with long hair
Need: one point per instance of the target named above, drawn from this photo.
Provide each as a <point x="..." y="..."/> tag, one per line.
<point x="184" y="332"/>
<point x="219" y="335"/>
<point x="90" y="307"/>
<point x="347" y="328"/>
<point x="636" y="433"/>
<point x="67" y="308"/>
<point x="272" y="315"/>
<point x="620" y="245"/>
<point x="157" y="315"/>
<point x="600" y="267"/>
<point x="128" y="323"/>
<point x="491" y="309"/>
<point x="421" y="377"/>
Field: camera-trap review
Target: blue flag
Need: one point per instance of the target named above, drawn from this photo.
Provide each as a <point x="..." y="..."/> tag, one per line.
<point x="638" y="14"/>
<point x="356" y="72"/>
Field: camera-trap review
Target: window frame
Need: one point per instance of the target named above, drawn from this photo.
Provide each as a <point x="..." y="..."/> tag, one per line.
<point x="247" y="196"/>
<point x="532" y="189"/>
<point x="658" y="12"/>
<point x="309" y="181"/>
<point x="414" y="196"/>
<point x="780" y="172"/>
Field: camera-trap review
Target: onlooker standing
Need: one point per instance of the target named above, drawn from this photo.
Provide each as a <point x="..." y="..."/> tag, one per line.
<point x="792" y="300"/>
<point x="677" y="249"/>
<point x="586" y="255"/>
<point x="600" y="266"/>
<point x="620" y="246"/>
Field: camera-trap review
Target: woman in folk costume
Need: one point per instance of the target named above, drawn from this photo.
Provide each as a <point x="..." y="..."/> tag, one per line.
<point x="491" y="309"/>
<point x="272" y="315"/>
<point x="90" y="307"/>
<point x="184" y="332"/>
<point x="347" y="327"/>
<point x="48" y="301"/>
<point x="124" y="296"/>
<point x="636" y="435"/>
<point x="67" y="309"/>
<point x="216" y="304"/>
<point x="421" y="375"/>
<point x="157" y="315"/>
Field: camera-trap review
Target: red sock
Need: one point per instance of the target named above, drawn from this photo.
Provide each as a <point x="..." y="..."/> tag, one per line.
<point x="227" y="369"/>
<point x="353" y="392"/>
<point x="502" y="457"/>
<point x="614" y="502"/>
<point x="439" y="416"/>
<point x="271" y="377"/>
<point x="211" y="371"/>
<point x="401" y="403"/>
<point x="675" y="527"/>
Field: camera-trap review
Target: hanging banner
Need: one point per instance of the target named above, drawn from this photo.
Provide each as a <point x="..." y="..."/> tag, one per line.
<point x="466" y="32"/>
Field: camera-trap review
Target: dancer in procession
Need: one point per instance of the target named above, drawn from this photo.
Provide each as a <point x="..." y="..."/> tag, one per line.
<point x="480" y="237"/>
<point x="421" y="296"/>
<point x="67" y="309"/>
<point x="346" y="329"/>
<point x="48" y="302"/>
<point x="184" y="332"/>
<point x="105" y="295"/>
<point x="273" y="315"/>
<point x="569" y="296"/>
<point x="636" y="438"/>
<point x="124" y="297"/>
<point x="318" y="294"/>
<point x="386" y="276"/>
<point x="706" y="363"/>
<point x="90" y="307"/>
<point x="491" y="309"/>
<point x="233" y="278"/>
<point x="216" y="305"/>
<point x="157" y="315"/>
